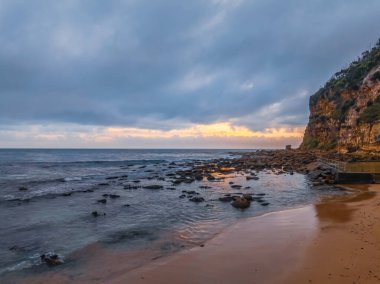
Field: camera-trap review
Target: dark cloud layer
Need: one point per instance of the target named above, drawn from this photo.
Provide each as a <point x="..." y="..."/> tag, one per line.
<point x="164" y="64"/>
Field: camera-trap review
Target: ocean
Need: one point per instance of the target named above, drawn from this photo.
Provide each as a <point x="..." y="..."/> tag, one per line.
<point x="47" y="197"/>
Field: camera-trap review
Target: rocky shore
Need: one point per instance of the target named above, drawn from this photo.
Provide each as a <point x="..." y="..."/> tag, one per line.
<point x="233" y="184"/>
<point x="278" y="162"/>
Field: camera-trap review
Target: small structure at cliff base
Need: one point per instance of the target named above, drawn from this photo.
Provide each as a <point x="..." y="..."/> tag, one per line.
<point x="355" y="172"/>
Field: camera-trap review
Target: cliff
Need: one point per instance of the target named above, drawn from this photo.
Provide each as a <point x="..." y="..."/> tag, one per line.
<point x="345" y="113"/>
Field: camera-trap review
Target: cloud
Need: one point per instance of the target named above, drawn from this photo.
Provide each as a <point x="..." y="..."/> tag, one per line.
<point x="217" y="135"/>
<point x="169" y="64"/>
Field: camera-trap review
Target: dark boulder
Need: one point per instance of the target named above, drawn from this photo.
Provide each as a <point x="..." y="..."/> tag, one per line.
<point x="114" y="196"/>
<point x="248" y="197"/>
<point x="51" y="259"/>
<point x="154" y="186"/>
<point x="251" y="178"/>
<point x="197" y="199"/>
<point x="97" y="214"/>
<point x="241" y="203"/>
<point x="236" y="186"/>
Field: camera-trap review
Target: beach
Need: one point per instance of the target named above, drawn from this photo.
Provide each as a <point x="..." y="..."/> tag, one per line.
<point x="261" y="217"/>
<point x="332" y="241"/>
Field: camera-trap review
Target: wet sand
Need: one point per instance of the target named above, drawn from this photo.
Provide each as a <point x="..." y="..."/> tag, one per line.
<point x="347" y="247"/>
<point x="334" y="241"/>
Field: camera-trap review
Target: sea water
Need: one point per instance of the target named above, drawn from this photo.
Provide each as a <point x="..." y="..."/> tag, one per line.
<point x="47" y="197"/>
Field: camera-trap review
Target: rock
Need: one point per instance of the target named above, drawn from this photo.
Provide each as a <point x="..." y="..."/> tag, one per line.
<point x="248" y="197"/>
<point x="236" y="186"/>
<point x="114" y="196"/>
<point x="171" y="188"/>
<point x="22" y="188"/>
<point x="105" y="195"/>
<point x="114" y="177"/>
<point x="241" y="203"/>
<point x="182" y="196"/>
<point x="265" y="203"/>
<point x="197" y="199"/>
<point x="210" y="178"/>
<point x="126" y="205"/>
<point x="131" y="186"/>
<point x="97" y="214"/>
<point x="154" y="186"/>
<point x="102" y="200"/>
<point x="198" y="177"/>
<point x="205" y="187"/>
<point x="251" y="178"/>
<point x="51" y="259"/>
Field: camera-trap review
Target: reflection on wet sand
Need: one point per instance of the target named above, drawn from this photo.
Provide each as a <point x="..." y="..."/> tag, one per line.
<point x="337" y="209"/>
<point x="349" y="252"/>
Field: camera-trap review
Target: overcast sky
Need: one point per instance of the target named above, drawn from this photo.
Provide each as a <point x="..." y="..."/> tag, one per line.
<point x="171" y="73"/>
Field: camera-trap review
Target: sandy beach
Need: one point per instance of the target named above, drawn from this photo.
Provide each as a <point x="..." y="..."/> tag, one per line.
<point x="334" y="241"/>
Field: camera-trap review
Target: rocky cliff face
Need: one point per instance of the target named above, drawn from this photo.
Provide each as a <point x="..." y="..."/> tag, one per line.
<point x="345" y="113"/>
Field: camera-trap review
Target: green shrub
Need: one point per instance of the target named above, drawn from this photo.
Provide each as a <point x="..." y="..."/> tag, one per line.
<point x="376" y="76"/>
<point x="329" y="145"/>
<point x="309" y="143"/>
<point x="352" y="76"/>
<point x="370" y="114"/>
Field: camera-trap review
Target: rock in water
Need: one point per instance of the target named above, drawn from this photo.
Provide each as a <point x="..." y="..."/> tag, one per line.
<point x="236" y="186"/>
<point x="197" y="199"/>
<point x="153" y="187"/>
<point x="241" y="202"/>
<point x="251" y="177"/>
<point x="51" y="259"/>
<point x="97" y="214"/>
<point x="114" y="196"/>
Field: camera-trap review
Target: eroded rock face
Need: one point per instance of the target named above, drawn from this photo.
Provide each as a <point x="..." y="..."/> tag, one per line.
<point x="343" y="114"/>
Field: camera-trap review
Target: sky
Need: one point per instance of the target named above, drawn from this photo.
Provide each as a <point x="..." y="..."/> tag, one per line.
<point x="171" y="73"/>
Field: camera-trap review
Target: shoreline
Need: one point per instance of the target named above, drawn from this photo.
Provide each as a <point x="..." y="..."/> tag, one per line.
<point x="300" y="252"/>
<point x="102" y="265"/>
<point x="290" y="246"/>
<point x="276" y="247"/>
